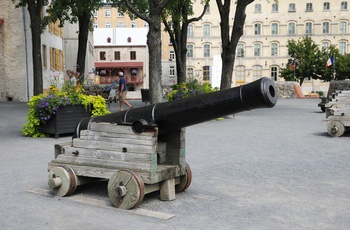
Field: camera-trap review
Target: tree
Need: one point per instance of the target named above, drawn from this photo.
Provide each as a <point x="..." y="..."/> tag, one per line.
<point x="150" y="11"/>
<point x="176" y="21"/>
<point x="76" y="11"/>
<point x="229" y="44"/>
<point x="35" y="8"/>
<point x="308" y="60"/>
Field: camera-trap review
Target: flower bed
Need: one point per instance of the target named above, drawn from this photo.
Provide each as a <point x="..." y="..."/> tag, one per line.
<point x="44" y="107"/>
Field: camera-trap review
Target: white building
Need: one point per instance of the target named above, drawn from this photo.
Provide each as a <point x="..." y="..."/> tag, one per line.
<point x="122" y="50"/>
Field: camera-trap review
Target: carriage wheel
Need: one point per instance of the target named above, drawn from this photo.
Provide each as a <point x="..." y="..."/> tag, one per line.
<point x="62" y="180"/>
<point x="185" y="180"/>
<point x="335" y="129"/>
<point x="126" y="189"/>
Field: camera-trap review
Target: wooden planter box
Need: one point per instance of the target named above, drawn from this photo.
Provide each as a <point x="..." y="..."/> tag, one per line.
<point x="65" y="120"/>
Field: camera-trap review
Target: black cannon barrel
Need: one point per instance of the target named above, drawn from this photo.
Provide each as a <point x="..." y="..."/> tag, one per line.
<point x="193" y="110"/>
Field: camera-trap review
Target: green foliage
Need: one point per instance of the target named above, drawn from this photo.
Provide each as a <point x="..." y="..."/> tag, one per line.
<point x="311" y="62"/>
<point x="189" y="89"/>
<point x="44" y="106"/>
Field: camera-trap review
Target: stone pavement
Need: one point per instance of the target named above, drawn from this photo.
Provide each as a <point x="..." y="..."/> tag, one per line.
<point x="264" y="169"/>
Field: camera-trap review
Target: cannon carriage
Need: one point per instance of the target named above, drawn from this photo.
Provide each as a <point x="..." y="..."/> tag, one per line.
<point x="142" y="150"/>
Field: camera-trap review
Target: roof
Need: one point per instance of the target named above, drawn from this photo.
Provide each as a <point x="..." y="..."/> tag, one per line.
<point x="119" y="36"/>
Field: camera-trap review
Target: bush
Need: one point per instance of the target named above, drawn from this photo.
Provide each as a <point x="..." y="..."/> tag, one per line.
<point x="189" y="89"/>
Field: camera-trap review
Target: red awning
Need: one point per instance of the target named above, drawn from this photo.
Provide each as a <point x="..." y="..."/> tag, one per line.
<point x="118" y="64"/>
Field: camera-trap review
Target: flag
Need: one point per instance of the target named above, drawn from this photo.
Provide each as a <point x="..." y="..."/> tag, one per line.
<point x="330" y="61"/>
<point x="293" y="64"/>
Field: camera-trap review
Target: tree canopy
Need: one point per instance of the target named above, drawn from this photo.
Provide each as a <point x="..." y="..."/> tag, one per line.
<point x="307" y="61"/>
<point x="76" y="11"/>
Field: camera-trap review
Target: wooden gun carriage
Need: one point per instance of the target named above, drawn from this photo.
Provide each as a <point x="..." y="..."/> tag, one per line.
<point x="338" y="113"/>
<point x="142" y="150"/>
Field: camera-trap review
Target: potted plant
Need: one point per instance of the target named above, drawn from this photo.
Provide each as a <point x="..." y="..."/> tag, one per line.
<point x="60" y="109"/>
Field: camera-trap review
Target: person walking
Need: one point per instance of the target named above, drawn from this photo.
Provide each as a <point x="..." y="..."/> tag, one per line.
<point x="123" y="89"/>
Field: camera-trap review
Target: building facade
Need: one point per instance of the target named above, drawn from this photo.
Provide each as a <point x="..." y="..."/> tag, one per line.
<point x="121" y="50"/>
<point x="262" y="50"/>
<point x="58" y="47"/>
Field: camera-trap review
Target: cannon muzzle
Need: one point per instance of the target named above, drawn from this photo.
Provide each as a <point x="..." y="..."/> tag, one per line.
<point x="193" y="110"/>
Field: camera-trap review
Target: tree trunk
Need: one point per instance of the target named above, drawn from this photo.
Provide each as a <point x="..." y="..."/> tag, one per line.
<point x="154" y="43"/>
<point x="84" y="22"/>
<point x="35" y="22"/>
<point x="229" y="45"/>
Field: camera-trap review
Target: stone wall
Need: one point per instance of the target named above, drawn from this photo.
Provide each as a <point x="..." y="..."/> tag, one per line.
<point x="13" y="65"/>
<point x="285" y="89"/>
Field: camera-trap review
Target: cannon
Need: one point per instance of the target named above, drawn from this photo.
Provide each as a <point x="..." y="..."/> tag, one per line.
<point x="142" y="150"/>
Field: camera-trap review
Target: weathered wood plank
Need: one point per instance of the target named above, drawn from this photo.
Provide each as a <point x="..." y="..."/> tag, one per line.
<point x="163" y="172"/>
<point x="141" y="136"/>
<point x="115" y="128"/>
<point x="109" y="155"/>
<point x="125" y="140"/>
<point x="121" y="147"/>
<point x="167" y="190"/>
<point x="103" y="163"/>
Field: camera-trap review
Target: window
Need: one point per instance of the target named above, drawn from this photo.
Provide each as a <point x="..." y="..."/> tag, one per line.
<point x="342" y="27"/>
<point x="308" y="28"/>
<point x="132" y="55"/>
<point x="240" y="50"/>
<point x="121" y="24"/>
<point x="325" y="27"/>
<point x="133" y="25"/>
<point x="207" y="9"/>
<point x="325" y="46"/>
<point x="190" y="72"/>
<point x="172" y="54"/>
<point x="344" y="5"/>
<point x="120" y="14"/>
<point x="190" y="31"/>
<point x="274" y="28"/>
<point x="172" y="70"/>
<point x="116" y="55"/>
<point x="95" y="13"/>
<point x="257" y="72"/>
<point x="257" y="29"/>
<point x="206" y="73"/>
<point x="206" y="50"/>
<point x="108" y="25"/>
<point x="95" y="25"/>
<point x="102" y="55"/>
<point x="291" y="28"/>
<point x="189" y="50"/>
<point x="257" y="8"/>
<point x="342" y="48"/>
<point x="291" y="7"/>
<point x="44" y="57"/>
<point x="108" y="13"/>
<point x="257" y="50"/>
<point x="274" y="72"/>
<point x="309" y="6"/>
<point x="274" y="49"/>
<point x="240" y="74"/>
<point x="326" y="6"/>
<point x="206" y="30"/>
<point x="274" y="7"/>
